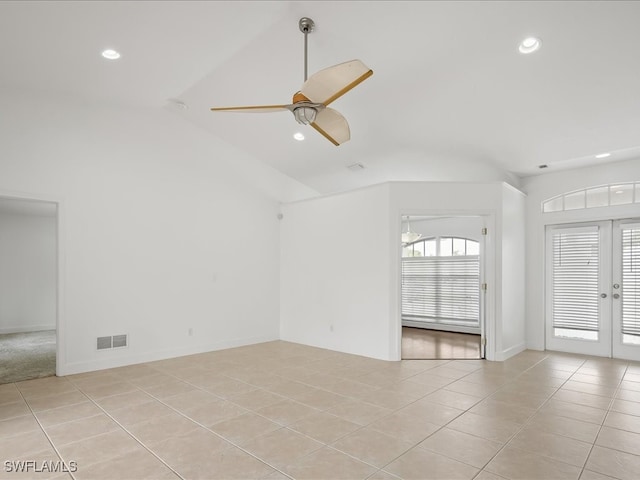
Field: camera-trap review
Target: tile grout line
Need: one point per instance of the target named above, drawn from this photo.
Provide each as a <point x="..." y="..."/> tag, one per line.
<point x="603" y="422"/>
<point x="414" y="445"/>
<point x="288" y="426"/>
<point x="544" y="403"/>
<point x="523" y="426"/>
<point x="124" y="429"/>
<point x="518" y="431"/>
<point x="282" y="426"/>
<point x="394" y="410"/>
<point x="202" y="425"/>
<point x="64" y="462"/>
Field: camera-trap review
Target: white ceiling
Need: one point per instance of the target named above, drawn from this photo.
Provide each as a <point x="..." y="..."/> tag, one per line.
<point x="450" y="99"/>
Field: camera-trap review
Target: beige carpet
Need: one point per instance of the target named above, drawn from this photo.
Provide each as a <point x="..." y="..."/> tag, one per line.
<point x="24" y="356"/>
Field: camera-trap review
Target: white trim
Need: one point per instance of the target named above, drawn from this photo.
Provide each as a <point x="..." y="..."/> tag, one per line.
<point x="488" y="274"/>
<point x="120" y="361"/>
<point x="510" y="352"/>
<point x="23" y="329"/>
<point x="602" y="346"/>
<point x="60" y="237"/>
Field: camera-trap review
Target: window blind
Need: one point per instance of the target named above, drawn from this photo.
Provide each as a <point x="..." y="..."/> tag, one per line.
<point x="575" y="279"/>
<point x="442" y="288"/>
<point x="631" y="281"/>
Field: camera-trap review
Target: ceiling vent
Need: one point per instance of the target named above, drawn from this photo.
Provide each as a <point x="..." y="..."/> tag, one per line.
<point x="356" y="167"/>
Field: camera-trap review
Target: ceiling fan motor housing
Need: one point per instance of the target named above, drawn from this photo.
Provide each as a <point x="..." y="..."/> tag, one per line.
<point x="306" y="25"/>
<point x="304" y="114"/>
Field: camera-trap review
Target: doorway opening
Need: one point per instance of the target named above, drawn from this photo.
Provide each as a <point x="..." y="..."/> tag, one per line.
<point x="593" y="288"/>
<point x="28" y="289"/>
<point x="442" y="300"/>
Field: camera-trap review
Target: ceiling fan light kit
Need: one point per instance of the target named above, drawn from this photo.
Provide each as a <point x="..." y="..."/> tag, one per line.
<point x="309" y="105"/>
<point x="410" y="236"/>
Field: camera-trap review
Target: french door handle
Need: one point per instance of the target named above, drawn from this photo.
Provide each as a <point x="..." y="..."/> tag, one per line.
<point x="603" y="295"/>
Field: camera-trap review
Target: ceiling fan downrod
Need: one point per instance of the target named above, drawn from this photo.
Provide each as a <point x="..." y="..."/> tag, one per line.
<point x="306" y="26"/>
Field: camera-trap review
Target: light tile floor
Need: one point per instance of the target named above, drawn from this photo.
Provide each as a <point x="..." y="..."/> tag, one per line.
<point x="279" y="410"/>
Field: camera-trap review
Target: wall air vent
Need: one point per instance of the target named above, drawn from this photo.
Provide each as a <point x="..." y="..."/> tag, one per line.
<point x="104" y="343"/>
<point x="117" y="341"/>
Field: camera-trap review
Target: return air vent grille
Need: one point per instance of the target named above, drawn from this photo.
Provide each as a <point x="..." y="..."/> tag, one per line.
<point x="104" y="343"/>
<point x="116" y="341"/>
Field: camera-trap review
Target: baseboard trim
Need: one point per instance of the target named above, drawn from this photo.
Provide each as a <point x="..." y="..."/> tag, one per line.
<point x="27" y="329"/>
<point x="510" y="352"/>
<point x="113" y="362"/>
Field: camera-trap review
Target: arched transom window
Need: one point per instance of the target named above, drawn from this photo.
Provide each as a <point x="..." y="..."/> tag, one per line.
<point x="441" y="247"/>
<point x="599" y="196"/>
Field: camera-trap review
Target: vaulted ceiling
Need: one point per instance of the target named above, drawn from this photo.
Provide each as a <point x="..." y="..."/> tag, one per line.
<point x="451" y="97"/>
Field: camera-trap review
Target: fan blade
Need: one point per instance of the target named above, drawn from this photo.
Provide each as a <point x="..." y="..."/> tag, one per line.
<point x="332" y="125"/>
<point x="331" y="83"/>
<point x="252" y="109"/>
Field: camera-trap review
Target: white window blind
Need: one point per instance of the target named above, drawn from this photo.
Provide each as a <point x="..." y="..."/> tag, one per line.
<point x="631" y="281"/>
<point x="442" y="289"/>
<point x="575" y="279"/>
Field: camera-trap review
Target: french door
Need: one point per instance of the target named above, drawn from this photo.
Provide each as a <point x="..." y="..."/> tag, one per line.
<point x="593" y="288"/>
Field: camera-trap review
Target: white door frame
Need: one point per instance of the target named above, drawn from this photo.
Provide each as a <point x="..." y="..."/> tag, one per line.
<point x="618" y="348"/>
<point x="610" y="307"/>
<point x="60" y="324"/>
<point x="488" y="323"/>
<point x="602" y="346"/>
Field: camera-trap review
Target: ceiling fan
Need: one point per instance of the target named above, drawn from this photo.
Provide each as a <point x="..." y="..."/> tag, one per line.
<point x="309" y="105"/>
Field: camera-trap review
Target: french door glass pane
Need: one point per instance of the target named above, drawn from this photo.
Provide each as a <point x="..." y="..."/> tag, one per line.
<point x="631" y="286"/>
<point x="575" y="283"/>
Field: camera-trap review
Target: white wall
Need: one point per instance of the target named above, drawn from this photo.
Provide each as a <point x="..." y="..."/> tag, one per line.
<point x="541" y="188"/>
<point x="455" y="198"/>
<point x="160" y="231"/>
<point x="511" y="281"/>
<point x="334" y="289"/>
<point x="28" y="251"/>
<point x="340" y="264"/>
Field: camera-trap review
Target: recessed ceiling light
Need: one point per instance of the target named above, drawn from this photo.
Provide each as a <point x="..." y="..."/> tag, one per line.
<point x="110" y="54"/>
<point x="529" y="45"/>
<point x="603" y="155"/>
<point x="298" y="136"/>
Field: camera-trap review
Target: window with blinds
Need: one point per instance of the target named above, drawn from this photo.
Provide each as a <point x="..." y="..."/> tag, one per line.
<point x="575" y="283"/>
<point x="631" y="285"/>
<point x="442" y="289"/>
